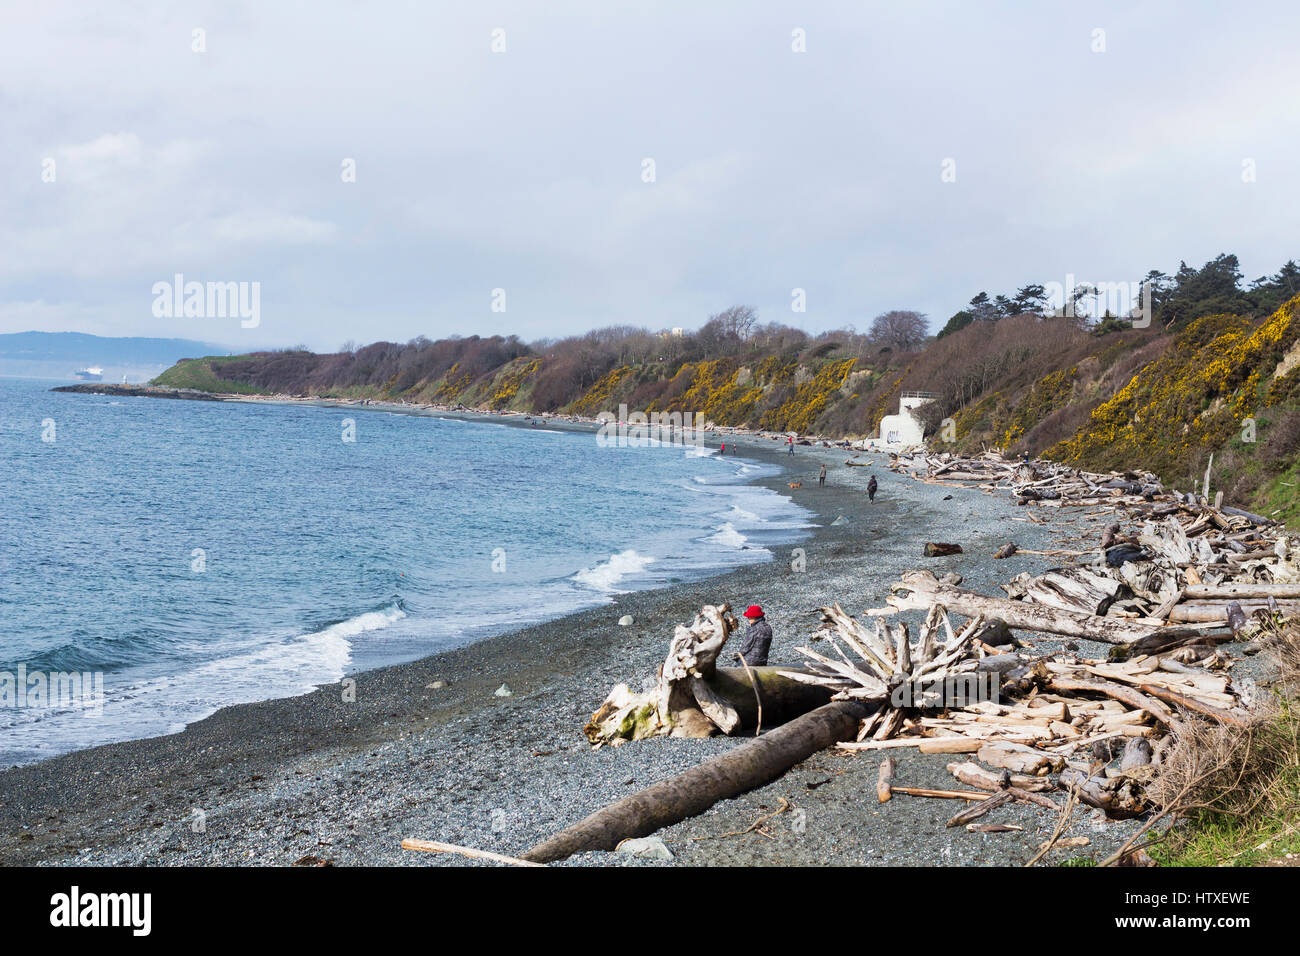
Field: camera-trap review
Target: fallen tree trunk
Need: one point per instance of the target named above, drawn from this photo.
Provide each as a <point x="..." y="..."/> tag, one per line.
<point x="920" y="590"/>
<point x="693" y="697"/>
<point x="1245" y="590"/>
<point x="783" y="697"/>
<point x="745" y="767"/>
<point x="1249" y="516"/>
<point x="1216" y="612"/>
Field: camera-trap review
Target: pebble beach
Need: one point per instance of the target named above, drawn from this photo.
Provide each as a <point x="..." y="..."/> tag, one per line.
<point x="435" y="750"/>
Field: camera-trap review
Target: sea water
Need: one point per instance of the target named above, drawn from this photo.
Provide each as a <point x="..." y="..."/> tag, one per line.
<point x="199" y="554"/>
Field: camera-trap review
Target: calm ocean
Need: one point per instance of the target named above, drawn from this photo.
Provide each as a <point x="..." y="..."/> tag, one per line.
<point x="202" y="554"/>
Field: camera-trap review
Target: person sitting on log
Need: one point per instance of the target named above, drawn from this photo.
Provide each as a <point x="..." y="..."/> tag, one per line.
<point x="758" y="638"/>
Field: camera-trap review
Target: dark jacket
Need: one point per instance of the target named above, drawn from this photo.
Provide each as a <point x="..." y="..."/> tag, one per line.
<point x="756" y="643"/>
<point x="871" y="487"/>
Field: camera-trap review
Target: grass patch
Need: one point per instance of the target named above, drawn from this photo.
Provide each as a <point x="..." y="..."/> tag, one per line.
<point x="1280" y="498"/>
<point x="1234" y="792"/>
<point x="1228" y="842"/>
<point x="200" y="374"/>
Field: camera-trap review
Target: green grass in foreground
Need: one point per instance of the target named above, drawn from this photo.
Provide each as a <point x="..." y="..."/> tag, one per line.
<point x="1254" y="814"/>
<point x="1280" y="498"/>
<point x="200" y="374"/>
<point x="1229" y="843"/>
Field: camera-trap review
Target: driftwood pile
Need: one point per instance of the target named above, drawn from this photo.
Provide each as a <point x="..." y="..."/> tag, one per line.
<point x="1183" y="560"/>
<point x="1022" y="719"/>
<point x="1028" y="723"/>
<point x="1046" y="482"/>
<point x="1021" y="724"/>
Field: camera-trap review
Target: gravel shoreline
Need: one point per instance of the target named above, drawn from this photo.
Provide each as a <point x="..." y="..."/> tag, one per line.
<point x="270" y="783"/>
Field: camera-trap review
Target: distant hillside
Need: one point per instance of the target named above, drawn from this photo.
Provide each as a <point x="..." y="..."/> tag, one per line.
<point x="1096" y="392"/>
<point x="59" y="354"/>
<point x="773" y="380"/>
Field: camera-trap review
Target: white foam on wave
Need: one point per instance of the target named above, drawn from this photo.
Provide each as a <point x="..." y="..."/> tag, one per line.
<point x="748" y="507"/>
<point x="151" y="706"/>
<point x="607" y="575"/>
<point x="728" y="536"/>
<point x="737" y="513"/>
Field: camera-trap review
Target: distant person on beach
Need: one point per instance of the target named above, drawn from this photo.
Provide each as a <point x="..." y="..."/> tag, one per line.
<point x="724" y="449"/>
<point x="758" y="638"/>
<point x="790" y="441"/>
<point x="871" y="488"/>
<point x="821" y="477"/>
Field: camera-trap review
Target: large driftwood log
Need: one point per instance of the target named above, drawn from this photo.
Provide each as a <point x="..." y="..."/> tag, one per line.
<point x="920" y="590"/>
<point x="1019" y="758"/>
<point x="1244" y="590"/>
<point x="1067" y="589"/>
<point x="1196" y="706"/>
<point x="1206" y="612"/>
<point x="784" y="697"/>
<point x="682" y="701"/>
<point x="745" y="767"/>
<point x="1249" y="516"/>
<point x="730" y="690"/>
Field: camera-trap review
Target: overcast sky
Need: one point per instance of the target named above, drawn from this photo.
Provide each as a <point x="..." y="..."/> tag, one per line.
<point x="524" y="170"/>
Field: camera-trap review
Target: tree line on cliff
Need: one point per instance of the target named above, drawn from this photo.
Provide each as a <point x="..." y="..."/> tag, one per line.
<point x="1008" y="371"/>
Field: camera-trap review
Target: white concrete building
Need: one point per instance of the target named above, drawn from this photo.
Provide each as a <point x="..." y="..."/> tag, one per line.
<point x="904" y="429"/>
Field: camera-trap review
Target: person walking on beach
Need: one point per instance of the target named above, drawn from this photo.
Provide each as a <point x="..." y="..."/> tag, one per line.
<point x="871" y="488"/>
<point x="724" y="449"/>
<point x="821" y="477"/>
<point x="758" y="638"/>
<point x="790" y="441"/>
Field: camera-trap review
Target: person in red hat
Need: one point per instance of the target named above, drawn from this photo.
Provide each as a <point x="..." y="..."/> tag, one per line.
<point x="758" y="637"/>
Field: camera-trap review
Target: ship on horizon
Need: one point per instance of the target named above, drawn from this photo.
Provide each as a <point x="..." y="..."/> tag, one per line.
<point x="91" y="373"/>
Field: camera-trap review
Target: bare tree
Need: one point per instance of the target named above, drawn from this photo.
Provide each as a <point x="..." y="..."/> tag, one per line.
<point x="736" y="322"/>
<point x="900" y="329"/>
